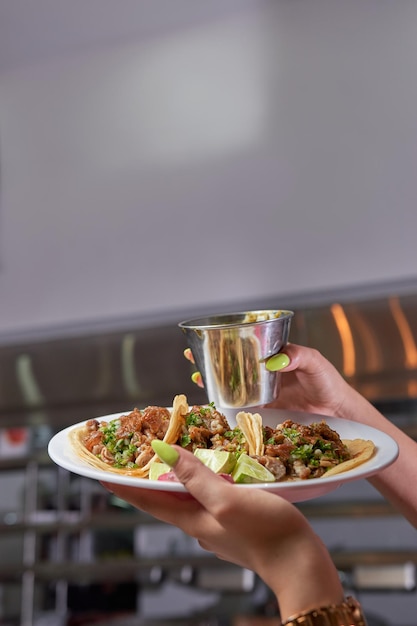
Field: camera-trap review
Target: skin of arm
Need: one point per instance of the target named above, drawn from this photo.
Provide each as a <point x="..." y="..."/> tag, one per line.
<point x="284" y="551"/>
<point x="311" y="383"/>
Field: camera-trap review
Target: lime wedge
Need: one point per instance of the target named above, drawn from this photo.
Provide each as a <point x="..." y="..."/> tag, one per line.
<point x="247" y="470"/>
<point x="157" y="469"/>
<point x="219" y="461"/>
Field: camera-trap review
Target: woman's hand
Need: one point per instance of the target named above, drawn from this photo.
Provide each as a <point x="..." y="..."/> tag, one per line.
<point x="309" y="382"/>
<point x="252" y="528"/>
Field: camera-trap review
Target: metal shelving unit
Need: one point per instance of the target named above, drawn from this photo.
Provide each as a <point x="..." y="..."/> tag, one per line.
<point x="53" y="382"/>
<point x="68" y="530"/>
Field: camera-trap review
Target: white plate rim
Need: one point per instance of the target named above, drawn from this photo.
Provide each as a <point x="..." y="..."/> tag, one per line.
<point x="386" y="453"/>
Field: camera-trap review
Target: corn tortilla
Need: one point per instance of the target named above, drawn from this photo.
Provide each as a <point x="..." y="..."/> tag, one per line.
<point x="251" y="426"/>
<point x="77" y="435"/>
<point x="360" y="450"/>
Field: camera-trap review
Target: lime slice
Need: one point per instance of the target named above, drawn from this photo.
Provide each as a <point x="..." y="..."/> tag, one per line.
<point x="156" y="469"/>
<point x="219" y="461"/>
<point x="247" y="470"/>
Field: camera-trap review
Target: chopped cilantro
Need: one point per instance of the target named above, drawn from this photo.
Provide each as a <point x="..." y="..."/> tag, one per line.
<point x="236" y="433"/>
<point x="208" y="409"/>
<point x="123" y="457"/>
<point x="292" y="434"/>
<point x="303" y="452"/>
<point x="323" y="445"/>
<point x="193" y="419"/>
<point x="185" y="440"/>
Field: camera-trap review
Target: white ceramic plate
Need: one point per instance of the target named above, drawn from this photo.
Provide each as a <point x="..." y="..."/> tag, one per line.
<point x="386" y="452"/>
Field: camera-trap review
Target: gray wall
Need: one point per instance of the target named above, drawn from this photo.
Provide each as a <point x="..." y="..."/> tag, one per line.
<point x="159" y="155"/>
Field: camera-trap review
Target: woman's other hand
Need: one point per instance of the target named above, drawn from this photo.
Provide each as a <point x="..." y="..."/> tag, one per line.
<point x="252" y="528"/>
<point x="195" y="376"/>
<point x="309" y="382"/>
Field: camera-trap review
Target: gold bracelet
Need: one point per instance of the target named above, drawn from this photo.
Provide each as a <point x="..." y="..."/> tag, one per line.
<point x="348" y="613"/>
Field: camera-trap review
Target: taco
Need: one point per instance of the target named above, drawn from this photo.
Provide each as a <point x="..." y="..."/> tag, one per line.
<point x="294" y="451"/>
<point x="290" y="451"/>
<point x="206" y="427"/>
<point x="236" y="366"/>
<point x="360" y="450"/>
<point x="123" y="445"/>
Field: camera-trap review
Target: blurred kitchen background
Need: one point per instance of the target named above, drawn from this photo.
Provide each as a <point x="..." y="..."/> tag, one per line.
<point x="165" y="158"/>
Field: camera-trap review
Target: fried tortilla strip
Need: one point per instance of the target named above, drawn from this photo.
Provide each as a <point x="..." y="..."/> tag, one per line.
<point x="180" y="409"/>
<point x="251" y="426"/>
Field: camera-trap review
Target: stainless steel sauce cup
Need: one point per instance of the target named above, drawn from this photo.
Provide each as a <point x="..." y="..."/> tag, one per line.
<point x="230" y="351"/>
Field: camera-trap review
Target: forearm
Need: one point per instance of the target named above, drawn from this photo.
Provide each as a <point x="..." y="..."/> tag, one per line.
<point x="396" y="483"/>
<point x="303" y="576"/>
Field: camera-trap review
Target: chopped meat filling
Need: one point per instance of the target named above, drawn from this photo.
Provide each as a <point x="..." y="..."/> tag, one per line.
<point x="206" y="427"/>
<point x="291" y="451"/>
<point x="126" y="441"/>
<point x="305" y="451"/>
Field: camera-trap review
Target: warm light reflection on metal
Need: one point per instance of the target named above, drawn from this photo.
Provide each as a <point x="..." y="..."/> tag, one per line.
<point x="27" y="381"/>
<point x="104" y="372"/>
<point x="371" y="391"/>
<point x="31" y="392"/>
<point x="412" y="388"/>
<point x="372" y="351"/>
<point x="128" y="365"/>
<point x="343" y="327"/>
<point x="410" y="348"/>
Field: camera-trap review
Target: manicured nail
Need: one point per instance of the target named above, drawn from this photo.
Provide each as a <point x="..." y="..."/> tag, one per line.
<point x="165" y="452"/>
<point x="189" y="355"/>
<point x="197" y="379"/>
<point x="277" y="362"/>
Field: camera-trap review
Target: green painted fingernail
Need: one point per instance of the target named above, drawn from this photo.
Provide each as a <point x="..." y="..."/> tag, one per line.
<point x="166" y="453"/>
<point x="277" y="362"/>
<point x="197" y="379"/>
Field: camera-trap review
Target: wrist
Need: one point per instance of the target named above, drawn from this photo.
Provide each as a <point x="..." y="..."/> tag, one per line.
<point x="302" y="574"/>
<point x="346" y="613"/>
<point x="355" y="407"/>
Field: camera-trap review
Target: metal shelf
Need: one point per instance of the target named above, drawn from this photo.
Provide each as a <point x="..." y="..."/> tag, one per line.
<point x="128" y="569"/>
<point x="47" y="522"/>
